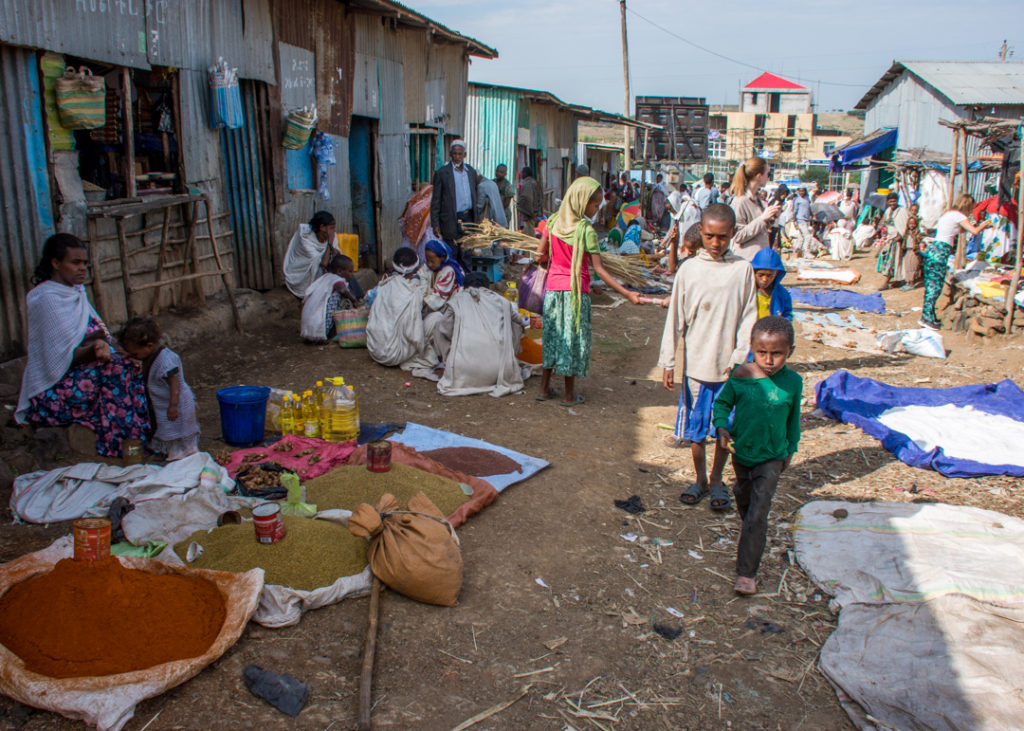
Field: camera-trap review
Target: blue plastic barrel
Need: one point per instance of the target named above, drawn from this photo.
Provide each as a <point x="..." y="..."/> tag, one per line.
<point x="243" y="413"/>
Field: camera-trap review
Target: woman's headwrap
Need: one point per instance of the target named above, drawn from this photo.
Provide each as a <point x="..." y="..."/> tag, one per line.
<point x="403" y="270"/>
<point x="441" y="249"/>
<point x="571" y="225"/>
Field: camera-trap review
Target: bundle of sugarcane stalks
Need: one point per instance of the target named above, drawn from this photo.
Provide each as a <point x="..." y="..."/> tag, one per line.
<point x="626" y="269"/>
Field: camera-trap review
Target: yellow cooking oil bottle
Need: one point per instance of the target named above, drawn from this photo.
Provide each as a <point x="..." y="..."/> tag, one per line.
<point x="287" y="418"/>
<point x="310" y="415"/>
<point x="339" y="411"/>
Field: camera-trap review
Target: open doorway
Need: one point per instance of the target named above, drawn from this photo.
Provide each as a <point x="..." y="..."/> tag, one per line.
<point x="361" y="161"/>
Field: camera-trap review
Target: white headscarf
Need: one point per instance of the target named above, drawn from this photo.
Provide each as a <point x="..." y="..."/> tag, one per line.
<point x="302" y="260"/>
<point x="58" y="316"/>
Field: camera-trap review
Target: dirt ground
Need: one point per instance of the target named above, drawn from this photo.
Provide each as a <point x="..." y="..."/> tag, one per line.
<point x="556" y="612"/>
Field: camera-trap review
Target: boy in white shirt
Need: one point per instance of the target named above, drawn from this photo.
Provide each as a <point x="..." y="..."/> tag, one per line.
<point x="707" y="331"/>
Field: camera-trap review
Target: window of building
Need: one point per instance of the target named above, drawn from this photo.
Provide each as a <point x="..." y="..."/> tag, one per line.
<point x="786" y="145"/>
<point x="753" y="98"/>
<point x="791" y="125"/>
<point x="719" y="122"/>
<point x="828" y="147"/>
<point x="759" y="122"/>
<point x="773" y="102"/>
<point x="716" y="148"/>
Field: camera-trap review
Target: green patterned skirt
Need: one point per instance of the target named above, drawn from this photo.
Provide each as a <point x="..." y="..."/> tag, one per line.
<point x="566" y="346"/>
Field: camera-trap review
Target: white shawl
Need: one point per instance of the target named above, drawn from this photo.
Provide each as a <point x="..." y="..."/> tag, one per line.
<point x="314" y="307"/>
<point x="57" y="318"/>
<point x="302" y="260"/>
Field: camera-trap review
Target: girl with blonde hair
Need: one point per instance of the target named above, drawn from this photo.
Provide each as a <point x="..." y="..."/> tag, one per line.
<point x="753" y="218"/>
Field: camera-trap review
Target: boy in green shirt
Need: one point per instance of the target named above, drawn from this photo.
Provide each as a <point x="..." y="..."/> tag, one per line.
<point x="765" y="432"/>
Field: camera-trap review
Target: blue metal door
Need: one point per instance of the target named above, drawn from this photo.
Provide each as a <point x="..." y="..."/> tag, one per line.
<point x="247" y="194"/>
<point x="360" y="166"/>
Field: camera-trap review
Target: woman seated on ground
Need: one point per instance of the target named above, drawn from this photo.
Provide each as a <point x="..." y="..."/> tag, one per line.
<point x="328" y="294"/>
<point x="73" y="374"/>
<point x="394" y="328"/>
<point x="309" y="251"/>
<point x="446" y="278"/>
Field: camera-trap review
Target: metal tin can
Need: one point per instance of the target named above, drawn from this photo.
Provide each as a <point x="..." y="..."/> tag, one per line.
<point x="92" y="539"/>
<point x="378" y="456"/>
<point x="269" y="526"/>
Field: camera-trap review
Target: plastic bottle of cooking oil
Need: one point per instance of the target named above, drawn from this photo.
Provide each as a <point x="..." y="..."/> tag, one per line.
<point x="287" y="417"/>
<point x="310" y="415"/>
<point x="512" y="293"/>
<point x="339" y="411"/>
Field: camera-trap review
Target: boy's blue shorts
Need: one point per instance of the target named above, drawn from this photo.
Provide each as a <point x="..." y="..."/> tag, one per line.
<point x="696" y="400"/>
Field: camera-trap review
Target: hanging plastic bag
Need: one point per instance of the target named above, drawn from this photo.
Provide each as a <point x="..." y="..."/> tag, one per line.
<point x="531" y="288"/>
<point x="322" y="151"/>
<point x="414" y="552"/>
<point x="225" y="97"/>
<point x="81" y="99"/>
<point x="298" y="127"/>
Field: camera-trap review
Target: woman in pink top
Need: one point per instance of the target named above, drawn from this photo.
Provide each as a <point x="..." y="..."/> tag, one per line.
<point x="570" y="245"/>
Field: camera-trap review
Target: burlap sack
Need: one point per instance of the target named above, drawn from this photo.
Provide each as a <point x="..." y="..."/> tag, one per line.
<point x="414" y="552"/>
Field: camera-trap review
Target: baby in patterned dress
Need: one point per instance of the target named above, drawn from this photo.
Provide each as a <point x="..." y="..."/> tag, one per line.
<point x="172" y="406"/>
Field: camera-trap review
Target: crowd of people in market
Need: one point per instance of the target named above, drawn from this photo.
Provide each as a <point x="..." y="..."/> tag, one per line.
<point x="726" y="337"/>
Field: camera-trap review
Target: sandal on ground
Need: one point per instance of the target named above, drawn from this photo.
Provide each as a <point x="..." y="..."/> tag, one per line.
<point x="720" y="497"/>
<point x="579" y="400"/>
<point x="675" y="442"/>
<point x="552" y="394"/>
<point x="745" y="585"/>
<point x="694" y="494"/>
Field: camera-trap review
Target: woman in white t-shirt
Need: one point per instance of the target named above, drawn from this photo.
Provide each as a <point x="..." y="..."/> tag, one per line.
<point x="936" y="256"/>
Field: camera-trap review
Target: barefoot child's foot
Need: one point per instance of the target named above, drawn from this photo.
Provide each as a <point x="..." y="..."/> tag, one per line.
<point x="745" y="585"/>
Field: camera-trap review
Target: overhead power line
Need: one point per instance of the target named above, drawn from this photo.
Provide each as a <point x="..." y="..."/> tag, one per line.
<point x="730" y="59"/>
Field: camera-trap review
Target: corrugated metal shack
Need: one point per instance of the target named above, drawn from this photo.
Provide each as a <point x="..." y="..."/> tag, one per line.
<point x="913" y="96"/>
<point x="529" y="128"/>
<point x="388" y="83"/>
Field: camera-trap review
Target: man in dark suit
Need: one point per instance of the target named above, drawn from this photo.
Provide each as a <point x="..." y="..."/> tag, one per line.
<point x="453" y="201"/>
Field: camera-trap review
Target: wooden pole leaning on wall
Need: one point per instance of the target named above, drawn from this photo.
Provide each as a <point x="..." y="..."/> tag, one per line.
<point x="1011" y="305"/>
<point x="129" y="133"/>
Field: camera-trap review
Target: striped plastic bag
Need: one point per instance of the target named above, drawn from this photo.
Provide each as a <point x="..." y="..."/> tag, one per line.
<point x="350" y="326"/>
<point x="81" y="99"/>
<point x="298" y="127"/>
<point x="225" y="97"/>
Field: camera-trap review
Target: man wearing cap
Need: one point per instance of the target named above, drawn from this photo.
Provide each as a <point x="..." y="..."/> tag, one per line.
<point x="454" y="199"/>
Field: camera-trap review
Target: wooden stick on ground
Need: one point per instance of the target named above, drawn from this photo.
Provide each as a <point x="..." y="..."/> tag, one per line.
<point x="484" y="715"/>
<point x="369" y="650"/>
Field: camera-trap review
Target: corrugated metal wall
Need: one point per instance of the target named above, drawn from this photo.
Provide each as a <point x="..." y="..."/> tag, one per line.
<point x="446" y="86"/>
<point x="114" y="32"/>
<point x="492" y="117"/>
<point x="414" y="60"/>
<point x="25" y="215"/>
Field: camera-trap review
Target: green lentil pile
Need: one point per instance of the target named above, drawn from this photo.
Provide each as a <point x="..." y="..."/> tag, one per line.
<point x="312" y="554"/>
<point x="349" y="486"/>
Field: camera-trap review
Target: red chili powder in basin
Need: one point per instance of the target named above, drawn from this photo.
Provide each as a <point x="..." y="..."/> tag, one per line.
<point x="90" y="618"/>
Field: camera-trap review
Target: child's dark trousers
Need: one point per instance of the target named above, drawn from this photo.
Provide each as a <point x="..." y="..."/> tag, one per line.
<point x="755" y="487"/>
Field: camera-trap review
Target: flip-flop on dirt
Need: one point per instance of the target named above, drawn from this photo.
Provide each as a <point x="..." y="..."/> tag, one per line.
<point x="694" y="494"/>
<point x="551" y="395"/>
<point x="720" y="497"/>
<point x="675" y="442"/>
<point x="579" y="400"/>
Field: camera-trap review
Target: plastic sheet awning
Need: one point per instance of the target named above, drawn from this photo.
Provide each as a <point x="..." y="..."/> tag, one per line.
<point x="874" y="143"/>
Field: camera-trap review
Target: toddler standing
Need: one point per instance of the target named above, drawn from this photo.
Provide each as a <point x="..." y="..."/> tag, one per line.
<point x="172" y="407"/>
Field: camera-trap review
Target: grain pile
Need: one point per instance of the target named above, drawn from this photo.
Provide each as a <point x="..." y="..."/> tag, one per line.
<point x="349" y="487"/>
<point x="312" y="554"/>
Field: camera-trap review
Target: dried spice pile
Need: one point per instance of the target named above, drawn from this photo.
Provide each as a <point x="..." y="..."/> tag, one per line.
<point x="350" y="486"/>
<point x="93" y="618"/>
<point x="312" y="554"/>
<point x="474" y="461"/>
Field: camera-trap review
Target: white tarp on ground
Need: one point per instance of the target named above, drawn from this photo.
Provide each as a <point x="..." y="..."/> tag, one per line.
<point x="88" y="488"/>
<point x="931" y="628"/>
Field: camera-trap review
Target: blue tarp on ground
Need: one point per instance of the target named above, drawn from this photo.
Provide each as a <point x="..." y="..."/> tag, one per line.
<point x="840" y="298"/>
<point x="424" y="438"/>
<point x="859" y="401"/>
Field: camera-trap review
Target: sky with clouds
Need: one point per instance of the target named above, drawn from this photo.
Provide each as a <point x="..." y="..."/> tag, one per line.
<point x="839" y="49"/>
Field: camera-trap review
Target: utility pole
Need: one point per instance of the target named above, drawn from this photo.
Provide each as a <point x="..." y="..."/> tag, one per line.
<point x="628" y="162"/>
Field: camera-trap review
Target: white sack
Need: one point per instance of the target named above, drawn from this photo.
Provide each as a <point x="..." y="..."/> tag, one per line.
<point x="482" y="358"/>
<point x="394" y="329"/>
